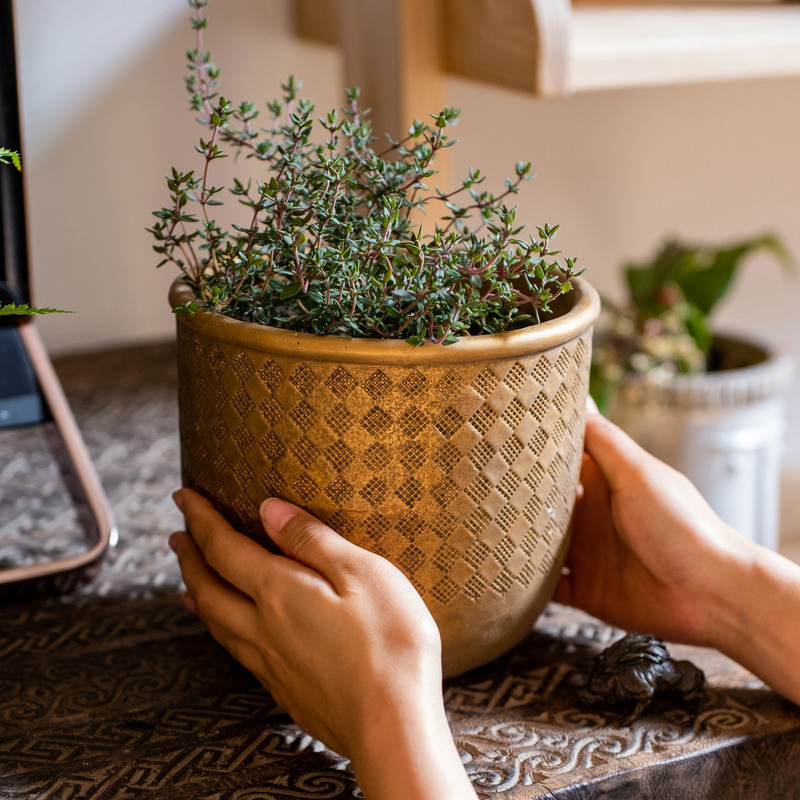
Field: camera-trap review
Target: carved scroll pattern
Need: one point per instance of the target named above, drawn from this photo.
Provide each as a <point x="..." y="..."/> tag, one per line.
<point x="520" y="725"/>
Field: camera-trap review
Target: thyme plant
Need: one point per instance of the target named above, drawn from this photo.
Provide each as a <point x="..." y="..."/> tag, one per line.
<point x="328" y="242"/>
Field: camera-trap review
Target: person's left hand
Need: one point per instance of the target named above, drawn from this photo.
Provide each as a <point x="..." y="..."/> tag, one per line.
<point x="338" y="635"/>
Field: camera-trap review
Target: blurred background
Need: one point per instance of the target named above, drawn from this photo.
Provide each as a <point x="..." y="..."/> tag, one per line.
<point x="105" y="117"/>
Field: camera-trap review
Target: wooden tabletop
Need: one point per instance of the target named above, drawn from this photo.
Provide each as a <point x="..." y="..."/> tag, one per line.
<point x="130" y="698"/>
<point x="115" y="691"/>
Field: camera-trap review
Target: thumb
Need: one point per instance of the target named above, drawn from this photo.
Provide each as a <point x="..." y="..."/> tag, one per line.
<point x="619" y="458"/>
<point x="303" y="538"/>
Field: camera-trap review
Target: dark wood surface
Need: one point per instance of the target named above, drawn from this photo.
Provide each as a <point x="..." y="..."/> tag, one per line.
<point x="130" y="698"/>
<point x="116" y="692"/>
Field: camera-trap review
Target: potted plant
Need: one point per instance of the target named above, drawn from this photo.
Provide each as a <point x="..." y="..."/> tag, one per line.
<point x="421" y="392"/>
<point x="710" y="405"/>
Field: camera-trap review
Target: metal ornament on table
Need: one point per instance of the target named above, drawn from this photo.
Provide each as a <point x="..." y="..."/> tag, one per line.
<point x="634" y="671"/>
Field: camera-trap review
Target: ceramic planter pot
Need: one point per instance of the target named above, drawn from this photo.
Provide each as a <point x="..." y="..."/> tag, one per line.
<point x="458" y="463"/>
<point x="723" y="429"/>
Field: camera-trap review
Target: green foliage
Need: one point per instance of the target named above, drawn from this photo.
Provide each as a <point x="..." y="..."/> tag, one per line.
<point x="24" y="310"/>
<point x="10" y="157"/>
<point x="328" y="243"/>
<point x="663" y="329"/>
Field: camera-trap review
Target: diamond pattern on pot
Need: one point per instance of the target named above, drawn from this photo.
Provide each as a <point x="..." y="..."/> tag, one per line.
<point x="306" y="489"/>
<point x="339" y="455"/>
<point x="445" y="591"/>
<point x="413" y="422"/>
<point x="243" y="367"/>
<point x="244" y="439"/>
<point x="339" y="419"/>
<point x="481" y="454"/>
<point x="271" y="447"/>
<point x="449" y="385"/>
<point x="270" y="375"/>
<point x="377" y="385"/>
<point x="508" y="484"/>
<point x="464" y="480"/>
<point x="483" y="419"/>
<point x="376" y="422"/>
<point x="445" y="556"/>
<point x="242" y="403"/>
<point x="411" y="526"/>
<point x="413" y="457"/>
<point x="447" y="456"/>
<point x="304" y="451"/>
<point x="515" y="377"/>
<point x="217" y="360"/>
<point x="409" y="492"/>
<point x="339" y="491"/>
<point x="340" y="382"/>
<point x="303" y="415"/>
<point x="485" y="382"/>
<point x="376" y="457"/>
<point x="374" y="492"/>
<point x="303" y="379"/>
<point x="512" y="449"/>
<point x="415" y="384"/>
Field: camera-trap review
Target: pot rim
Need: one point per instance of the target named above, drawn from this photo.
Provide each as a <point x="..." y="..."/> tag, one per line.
<point x="542" y="336"/>
<point x="768" y="376"/>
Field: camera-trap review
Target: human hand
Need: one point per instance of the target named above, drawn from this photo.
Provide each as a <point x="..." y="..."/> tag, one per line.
<point x="649" y="555"/>
<point x="647" y="551"/>
<point x="337" y="635"/>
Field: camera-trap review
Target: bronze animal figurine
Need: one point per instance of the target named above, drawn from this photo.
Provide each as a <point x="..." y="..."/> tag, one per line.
<point x="635" y="670"/>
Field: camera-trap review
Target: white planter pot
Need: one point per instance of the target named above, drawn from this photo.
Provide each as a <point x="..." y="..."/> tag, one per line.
<point x="723" y="429"/>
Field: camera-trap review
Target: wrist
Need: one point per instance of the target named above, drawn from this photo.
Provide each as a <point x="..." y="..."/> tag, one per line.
<point x="407" y="752"/>
<point x="729" y="575"/>
<point x="758" y="597"/>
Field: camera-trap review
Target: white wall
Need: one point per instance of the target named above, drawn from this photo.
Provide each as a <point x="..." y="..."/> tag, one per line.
<point x="105" y="118"/>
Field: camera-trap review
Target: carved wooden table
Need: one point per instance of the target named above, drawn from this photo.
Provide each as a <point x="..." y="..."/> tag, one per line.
<point x="117" y="692"/>
<point x="132" y="699"/>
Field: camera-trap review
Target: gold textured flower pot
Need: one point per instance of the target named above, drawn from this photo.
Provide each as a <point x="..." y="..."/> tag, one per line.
<point x="458" y="463"/>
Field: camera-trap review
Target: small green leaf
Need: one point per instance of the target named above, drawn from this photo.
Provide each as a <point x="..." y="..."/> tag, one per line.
<point x="24" y="310"/>
<point x="11" y="156"/>
<point x="291" y="290"/>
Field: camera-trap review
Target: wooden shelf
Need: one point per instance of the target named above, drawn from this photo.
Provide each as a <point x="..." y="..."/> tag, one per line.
<point x="557" y="47"/>
<point x="618" y="46"/>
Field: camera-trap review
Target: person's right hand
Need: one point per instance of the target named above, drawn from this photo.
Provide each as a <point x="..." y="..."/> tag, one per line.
<point x="648" y="554"/>
<point x="645" y="545"/>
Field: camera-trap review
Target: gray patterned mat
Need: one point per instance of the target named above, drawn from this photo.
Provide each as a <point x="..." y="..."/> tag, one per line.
<point x="124" y="402"/>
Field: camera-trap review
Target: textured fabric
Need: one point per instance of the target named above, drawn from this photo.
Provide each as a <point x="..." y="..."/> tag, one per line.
<point x="116" y="692"/>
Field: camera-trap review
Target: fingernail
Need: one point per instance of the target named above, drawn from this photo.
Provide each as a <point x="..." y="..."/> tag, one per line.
<point x="591" y="406"/>
<point x="177" y="498"/>
<point x="275" y="513"/>
<point x="173" y="542"/>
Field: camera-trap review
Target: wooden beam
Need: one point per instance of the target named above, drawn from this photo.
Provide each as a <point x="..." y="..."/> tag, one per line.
<point x="317" y="20"/>
<point x="393" y="51"/>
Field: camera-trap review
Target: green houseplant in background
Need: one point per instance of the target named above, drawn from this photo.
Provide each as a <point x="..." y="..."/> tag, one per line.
<point x="710" y="405"/>
<point x="663" y="327"/>
<point x="419" y="388"/>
